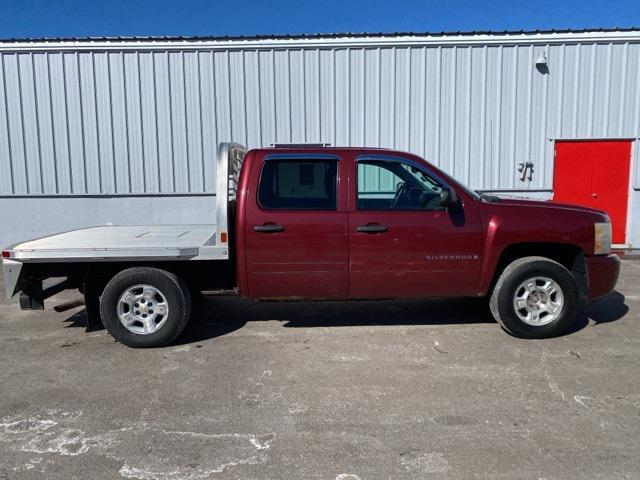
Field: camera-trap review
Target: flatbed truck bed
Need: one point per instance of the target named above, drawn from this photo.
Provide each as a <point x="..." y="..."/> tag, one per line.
<point x="123" y="242"/>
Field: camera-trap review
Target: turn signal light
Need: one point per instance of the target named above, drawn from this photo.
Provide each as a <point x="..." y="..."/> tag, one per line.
<point x="602" y="238"/>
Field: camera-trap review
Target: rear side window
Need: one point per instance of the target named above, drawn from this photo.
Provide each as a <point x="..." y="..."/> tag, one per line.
<point x="298" y="184"/>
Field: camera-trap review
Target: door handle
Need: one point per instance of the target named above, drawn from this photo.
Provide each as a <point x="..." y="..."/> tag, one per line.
<point x="268" y="228"/>
<point x="371" y="228"/>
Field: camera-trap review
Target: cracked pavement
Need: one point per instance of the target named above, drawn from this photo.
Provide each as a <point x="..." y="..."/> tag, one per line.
<point x="410" y="389"/>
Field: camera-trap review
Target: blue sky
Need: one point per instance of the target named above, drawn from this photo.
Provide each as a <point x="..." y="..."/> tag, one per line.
<point x="34" y="18"/>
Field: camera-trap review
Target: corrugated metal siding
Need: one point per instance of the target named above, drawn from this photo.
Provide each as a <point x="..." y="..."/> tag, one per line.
<point x="134" y="122"/>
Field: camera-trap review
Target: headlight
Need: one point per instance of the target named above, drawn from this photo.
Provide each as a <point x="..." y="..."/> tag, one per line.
<point x="602" y="238"/>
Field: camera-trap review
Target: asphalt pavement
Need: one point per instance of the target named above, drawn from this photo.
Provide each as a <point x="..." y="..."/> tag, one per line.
<point x="337" y="391"/>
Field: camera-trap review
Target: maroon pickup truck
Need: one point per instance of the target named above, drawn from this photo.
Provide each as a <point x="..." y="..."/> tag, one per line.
<point x="311" y="222"/>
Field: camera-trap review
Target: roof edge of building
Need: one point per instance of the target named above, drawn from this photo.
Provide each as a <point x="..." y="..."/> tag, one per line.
<point x="328" y="39"/>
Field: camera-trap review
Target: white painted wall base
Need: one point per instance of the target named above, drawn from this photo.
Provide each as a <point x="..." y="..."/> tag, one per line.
<point x="28" y="218"/>
<point x="633" y="219"/>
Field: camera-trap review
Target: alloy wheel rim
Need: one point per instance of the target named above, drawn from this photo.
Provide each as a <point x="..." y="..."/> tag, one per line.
<point x="538" y="301"/>
<point x="142" y="309"/>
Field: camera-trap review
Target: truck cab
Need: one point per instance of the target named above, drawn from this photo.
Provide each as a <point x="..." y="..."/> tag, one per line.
<point x="353" y="223"/>
<point x="314" y="222"/>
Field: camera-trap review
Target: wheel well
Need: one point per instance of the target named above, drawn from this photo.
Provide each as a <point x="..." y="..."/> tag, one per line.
<point x="569" y="256"/>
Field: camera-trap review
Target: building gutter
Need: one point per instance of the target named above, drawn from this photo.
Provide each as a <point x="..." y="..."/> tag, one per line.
<point x="380" y="41"/>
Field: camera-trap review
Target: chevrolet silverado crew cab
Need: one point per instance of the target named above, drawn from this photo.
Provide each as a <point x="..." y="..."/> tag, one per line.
<point x="312" y="222"/>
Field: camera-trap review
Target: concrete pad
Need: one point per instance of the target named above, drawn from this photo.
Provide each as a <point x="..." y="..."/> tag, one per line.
<point x="336" y="390"/>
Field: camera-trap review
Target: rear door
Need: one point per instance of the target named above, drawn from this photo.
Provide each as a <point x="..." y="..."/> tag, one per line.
<point x="402" y="242"/>
<point x="296" y="226"/>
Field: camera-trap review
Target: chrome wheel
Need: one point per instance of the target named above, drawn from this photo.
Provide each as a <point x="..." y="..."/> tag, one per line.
<point x="538" y="301"/>
<point x="142" y="309"/>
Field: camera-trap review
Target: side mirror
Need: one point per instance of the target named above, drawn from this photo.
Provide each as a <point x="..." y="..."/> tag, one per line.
<point x="448" y="197"/>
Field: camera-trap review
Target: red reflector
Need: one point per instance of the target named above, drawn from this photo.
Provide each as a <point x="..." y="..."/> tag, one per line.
<point x="5" y="254"/>
<point x="223" y="237"/>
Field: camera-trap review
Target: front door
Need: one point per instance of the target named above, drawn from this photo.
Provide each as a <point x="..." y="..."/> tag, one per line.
<point x="595" y="174"/>
<point x="402" y="242"/>
<point x="296" y="227"/>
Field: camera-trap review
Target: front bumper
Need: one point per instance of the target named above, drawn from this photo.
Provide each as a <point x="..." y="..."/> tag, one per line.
<point x="602" y="274"/>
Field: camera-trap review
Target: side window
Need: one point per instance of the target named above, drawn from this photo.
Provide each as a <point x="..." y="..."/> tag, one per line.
<point x="298" y="184"/>
<point x="394" y="185"/>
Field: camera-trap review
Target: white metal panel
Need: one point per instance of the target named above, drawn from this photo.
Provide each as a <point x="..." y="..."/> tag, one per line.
<point x="75" y="133"/>
<point x="30" y="123"/>
<point x="209" y="123"/>
<point x="148" y="120"/>
<point x="193" y="122"/>
<point x="15" y="122"/>
<point x="253" y="93"/>
<point x="237" y="96"/>
<point x="6" y="161"/>
<point x="180" y="133"/>
<point x="149" y="126"/>
<point x="342" y="72"/>
<point x="88" y="116"/>
<point x="104" y="122"/>
<point x="120" y="133"/>
<point x="312" y="95"/>
<point x="164" y="122"/>
<point x="133" y="122"/>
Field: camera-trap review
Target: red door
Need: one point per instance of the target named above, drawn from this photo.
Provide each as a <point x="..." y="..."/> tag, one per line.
<point x="402" y="243"/>
<point x="296" y="227"/>
<point x="595" y="174"/>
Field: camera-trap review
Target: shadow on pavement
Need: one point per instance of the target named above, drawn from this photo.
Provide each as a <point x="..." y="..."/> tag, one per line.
<point x="214" y="316"/>
<point x="608" y="309"/>
<point x="603" y="310"/>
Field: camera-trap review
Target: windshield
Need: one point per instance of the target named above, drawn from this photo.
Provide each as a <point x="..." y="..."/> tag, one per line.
<point x="473" y="193"/>
<point x="468" y="190"/>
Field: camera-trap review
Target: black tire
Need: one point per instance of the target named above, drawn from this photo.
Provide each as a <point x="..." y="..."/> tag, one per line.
<point x="172" y="288"/>
<point x="502" y="298"/>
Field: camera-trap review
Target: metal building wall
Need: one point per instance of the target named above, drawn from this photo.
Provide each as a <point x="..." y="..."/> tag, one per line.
<point x="115" y="122"/>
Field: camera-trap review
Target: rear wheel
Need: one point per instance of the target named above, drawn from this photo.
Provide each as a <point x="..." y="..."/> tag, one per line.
<point x="145" y="307"/>
<point x="535" y="297"/>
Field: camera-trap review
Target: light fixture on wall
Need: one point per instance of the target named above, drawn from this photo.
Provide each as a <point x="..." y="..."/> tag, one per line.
<point x="542" y="59"/>
<point x="542" y="63"/>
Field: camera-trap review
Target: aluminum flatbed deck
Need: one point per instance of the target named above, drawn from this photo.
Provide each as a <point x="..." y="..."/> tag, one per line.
<point x="123" y="242"/>
<point x="129" y="243"/>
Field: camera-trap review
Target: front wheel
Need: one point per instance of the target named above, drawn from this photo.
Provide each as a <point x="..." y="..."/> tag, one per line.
<point x="145" y="307"/>
<point x="535" y="297"/>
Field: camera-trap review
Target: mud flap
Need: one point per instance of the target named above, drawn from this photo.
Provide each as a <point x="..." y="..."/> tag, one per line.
<point x="579" y="272"/>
